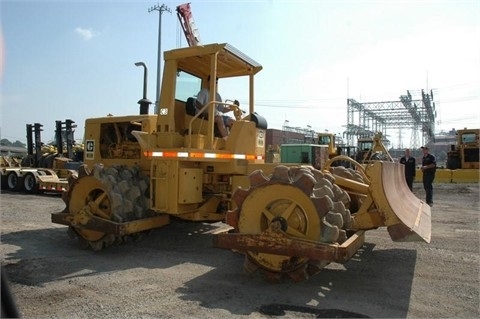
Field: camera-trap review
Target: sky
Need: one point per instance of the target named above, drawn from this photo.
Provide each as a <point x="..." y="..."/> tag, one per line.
<point x="75" y="59"/>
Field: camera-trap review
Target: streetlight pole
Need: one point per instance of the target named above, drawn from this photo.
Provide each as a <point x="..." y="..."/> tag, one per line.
<point x="160" y="9"/>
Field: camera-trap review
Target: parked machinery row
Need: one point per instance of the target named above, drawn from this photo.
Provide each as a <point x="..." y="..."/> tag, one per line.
<point x="46" y="168"/>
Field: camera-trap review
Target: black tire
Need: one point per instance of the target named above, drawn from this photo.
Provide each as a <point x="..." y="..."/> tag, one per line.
<point x="30" y="183"/>
<point x="28" y="161"/>
<point x="48" y="161"/>
<point x="14" y="182"/>
<point x="3" y="181"/>
<point x="453" y="163"/>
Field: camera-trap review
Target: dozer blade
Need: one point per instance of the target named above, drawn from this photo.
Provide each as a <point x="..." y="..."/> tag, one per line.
<point x="407" y="218"/>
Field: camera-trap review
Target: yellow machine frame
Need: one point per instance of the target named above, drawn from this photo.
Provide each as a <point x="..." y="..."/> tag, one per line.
<point x="194" y="175"/>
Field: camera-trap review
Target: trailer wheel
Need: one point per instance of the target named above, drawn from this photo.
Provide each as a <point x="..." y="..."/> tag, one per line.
<point x="13" y="182"/>
<point x="4" y="181"/>
<point x="30" y="183"/>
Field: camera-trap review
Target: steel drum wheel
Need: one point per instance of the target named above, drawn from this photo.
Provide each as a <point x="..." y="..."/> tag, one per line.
<point x="116" y="193"/>
<point x="287" y="198"/>
<point x="89" y="191"/>
<point x="292" y="209"/>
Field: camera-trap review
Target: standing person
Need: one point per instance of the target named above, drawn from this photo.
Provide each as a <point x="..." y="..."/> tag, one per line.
<point x="410" y="167"/>
<point x="222" y="121"/>
<point x="429" y="166"/>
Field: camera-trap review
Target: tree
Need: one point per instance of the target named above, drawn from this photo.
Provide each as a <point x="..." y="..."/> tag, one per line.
<point x="5" y="142"/>
<point x="17" y="143"/>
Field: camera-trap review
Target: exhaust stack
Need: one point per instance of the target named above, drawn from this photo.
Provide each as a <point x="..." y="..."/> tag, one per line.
<point x="144" y="102"/>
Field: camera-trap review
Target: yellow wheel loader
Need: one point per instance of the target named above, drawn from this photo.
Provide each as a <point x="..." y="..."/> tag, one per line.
<point x="289" y="220"/>
<point x="372" y="149"/>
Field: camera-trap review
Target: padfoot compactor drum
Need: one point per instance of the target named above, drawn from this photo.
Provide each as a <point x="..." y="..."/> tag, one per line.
<point x="297" y="220"/>
<point x="109" y="205"/>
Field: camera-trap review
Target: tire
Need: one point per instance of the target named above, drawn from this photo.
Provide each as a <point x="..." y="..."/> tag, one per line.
<point x="30" y="183"/>
<point x="453" y="163"/>
<point x="4" y="181"/>
<point x="28" y="161"/>
<point x="14" y="182"/>
<point x="48" y="161"/>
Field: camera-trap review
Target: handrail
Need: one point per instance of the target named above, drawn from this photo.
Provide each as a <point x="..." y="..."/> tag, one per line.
<point x="199" y="112"/>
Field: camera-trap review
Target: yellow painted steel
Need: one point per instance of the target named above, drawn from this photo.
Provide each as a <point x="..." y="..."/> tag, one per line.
<point x="396" y="200"/>
<point x="465" y="176"/>
<point x="88" y="198"/>
<point x="389" y="202"/>
<point x="287" y="205"/>
<point x="442" y="176"/>
<point x="193" y="175"/>
<point x="136" y="226"/>
<point x="452" y="176"/>
<point x="343" y="158"/>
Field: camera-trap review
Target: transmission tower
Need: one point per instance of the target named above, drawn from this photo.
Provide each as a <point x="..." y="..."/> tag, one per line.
<point x="407" y="113"/>
<point x="414" y="141"/>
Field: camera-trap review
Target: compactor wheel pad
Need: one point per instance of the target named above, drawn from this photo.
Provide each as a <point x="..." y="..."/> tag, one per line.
<point x="90" y="192"/>
<point x="304" y="203"/>
<point x="116" y="193"/>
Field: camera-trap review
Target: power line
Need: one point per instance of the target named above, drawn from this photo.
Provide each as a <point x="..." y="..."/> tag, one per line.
<point x="460" y="99"/>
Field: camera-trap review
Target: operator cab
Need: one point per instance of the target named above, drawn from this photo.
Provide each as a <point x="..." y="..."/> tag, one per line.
<point x="186" y="72"/>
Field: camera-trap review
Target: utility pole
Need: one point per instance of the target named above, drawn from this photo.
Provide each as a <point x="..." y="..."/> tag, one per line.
<point x="160" y="10"/>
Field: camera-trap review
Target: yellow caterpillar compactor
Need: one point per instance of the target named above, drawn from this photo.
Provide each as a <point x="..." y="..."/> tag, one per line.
<point x="290" y="221"/>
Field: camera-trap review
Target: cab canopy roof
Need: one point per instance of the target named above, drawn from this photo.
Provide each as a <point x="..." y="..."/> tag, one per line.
<point x="197" y="60"/>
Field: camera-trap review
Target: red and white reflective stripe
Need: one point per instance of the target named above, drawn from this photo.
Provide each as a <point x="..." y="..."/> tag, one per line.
<point x="53" y="188"/>
<point x="202" y="155"/>
<point x="166" y="154"/>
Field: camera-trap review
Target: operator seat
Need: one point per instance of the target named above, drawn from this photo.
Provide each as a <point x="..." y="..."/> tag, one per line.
<point x="190" y="106"/>
<point x="191" y="110"/>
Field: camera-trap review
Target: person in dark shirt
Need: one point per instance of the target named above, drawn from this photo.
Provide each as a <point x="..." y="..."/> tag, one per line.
<point x="429" y="166"/>
<point x="410" y="167"/>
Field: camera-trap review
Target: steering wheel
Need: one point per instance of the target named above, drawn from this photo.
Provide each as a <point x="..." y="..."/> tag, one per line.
<point x="237" y="112"/>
